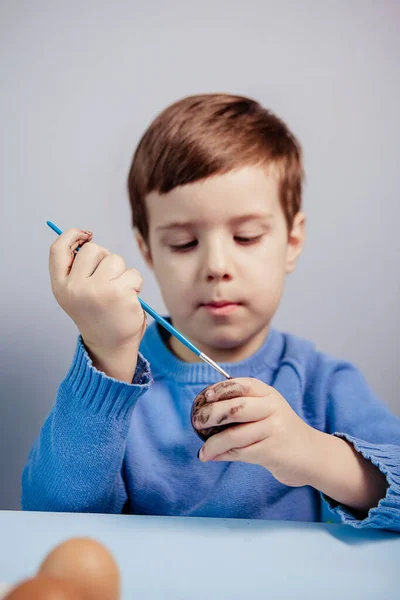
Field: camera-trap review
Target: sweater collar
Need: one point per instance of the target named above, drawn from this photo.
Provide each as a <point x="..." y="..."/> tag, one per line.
<point x="165" y="365"/>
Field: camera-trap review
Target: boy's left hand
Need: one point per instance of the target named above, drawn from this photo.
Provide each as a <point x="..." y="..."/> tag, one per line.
<point x="270" y="433"/>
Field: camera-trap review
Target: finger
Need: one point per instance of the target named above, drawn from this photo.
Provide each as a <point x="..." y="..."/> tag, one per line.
<point x="111" y="267"/>
<point x="225" y="390"/>
<point x="234" y="438"/>
<point x="234" y="388"/>
<point x="79" y="243"/>
<point x="87" y="260"/>
<point x="238" y="410"/>
<point x="61" y="254"/>
<point x="248" y="454"/>
<point x="131" y="279"/>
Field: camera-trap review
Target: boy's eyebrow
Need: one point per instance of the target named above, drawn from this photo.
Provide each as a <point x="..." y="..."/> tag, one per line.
<point x="252" y="217"/>
<point x="233" y="221"/>
<point x="174" y="225"/>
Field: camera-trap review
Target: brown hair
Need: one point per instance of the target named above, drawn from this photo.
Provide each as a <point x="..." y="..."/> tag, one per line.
<point x="212" y="134"/>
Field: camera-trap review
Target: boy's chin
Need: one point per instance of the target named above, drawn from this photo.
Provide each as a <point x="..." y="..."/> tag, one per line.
<point x="231" y="339"/>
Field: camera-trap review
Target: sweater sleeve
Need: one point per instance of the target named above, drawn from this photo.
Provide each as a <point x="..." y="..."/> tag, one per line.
<point x="355" y="414"/>
<point x="76" y="464"/>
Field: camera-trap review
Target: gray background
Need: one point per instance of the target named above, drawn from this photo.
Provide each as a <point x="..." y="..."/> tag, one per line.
<point x="81" y="80"/>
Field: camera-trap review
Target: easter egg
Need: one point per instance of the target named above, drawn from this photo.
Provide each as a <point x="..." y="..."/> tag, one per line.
<point x="203" y="432"/>
<point x="46" y="588"/>
<point x="88" y="565"/>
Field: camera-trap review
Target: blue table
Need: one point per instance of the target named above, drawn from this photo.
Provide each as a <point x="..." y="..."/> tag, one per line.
<point x="185" y="558"/>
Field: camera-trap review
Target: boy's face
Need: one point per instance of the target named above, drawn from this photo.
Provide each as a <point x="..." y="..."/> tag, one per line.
<point x="220" y="250"/>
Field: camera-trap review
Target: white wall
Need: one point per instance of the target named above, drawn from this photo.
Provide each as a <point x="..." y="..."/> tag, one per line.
<point x="81" y="80"/>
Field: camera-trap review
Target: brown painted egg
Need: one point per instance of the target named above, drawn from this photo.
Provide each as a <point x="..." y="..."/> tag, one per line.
<point x="204" y="432"/>
<point x="88" y="565"/>
<point x="46" y="588"/>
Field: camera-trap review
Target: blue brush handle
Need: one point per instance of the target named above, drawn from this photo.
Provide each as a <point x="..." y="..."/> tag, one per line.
<point x="54" y="227"/>
<point x="169" y="327"/>
<point x="150" y="311"/>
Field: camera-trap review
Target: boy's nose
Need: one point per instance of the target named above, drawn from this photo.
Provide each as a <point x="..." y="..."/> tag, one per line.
<point x="218" y="276"/>
<point x="216" y="265"/>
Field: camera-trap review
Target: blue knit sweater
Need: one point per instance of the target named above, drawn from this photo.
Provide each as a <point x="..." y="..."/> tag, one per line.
<point x="113" y="447"/>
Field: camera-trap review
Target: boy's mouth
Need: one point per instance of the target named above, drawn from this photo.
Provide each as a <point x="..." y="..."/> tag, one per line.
<point x="220" y="307"/>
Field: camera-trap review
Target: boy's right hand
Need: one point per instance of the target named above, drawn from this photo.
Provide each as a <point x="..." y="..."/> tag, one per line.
<point x="100" y="294"/>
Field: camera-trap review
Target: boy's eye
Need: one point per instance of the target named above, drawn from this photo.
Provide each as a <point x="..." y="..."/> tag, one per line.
<point x="248" y="240"/>
<point x="245" y="240"/>
<point x="182" y="247"/>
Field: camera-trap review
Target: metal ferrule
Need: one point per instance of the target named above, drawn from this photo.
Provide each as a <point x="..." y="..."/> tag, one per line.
<point x="213" y="364"/>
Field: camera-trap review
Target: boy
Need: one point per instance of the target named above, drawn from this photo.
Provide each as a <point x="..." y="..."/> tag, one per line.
<point x="215" y="189"/>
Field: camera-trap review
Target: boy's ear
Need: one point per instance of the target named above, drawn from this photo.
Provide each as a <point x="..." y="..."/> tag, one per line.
<point x="144" y="249"/>
<point x="296" y="241"/>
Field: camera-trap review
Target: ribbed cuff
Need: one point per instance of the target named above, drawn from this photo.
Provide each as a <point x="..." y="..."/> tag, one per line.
<point x="105" y="395"/>
<point x="386" y="515"/>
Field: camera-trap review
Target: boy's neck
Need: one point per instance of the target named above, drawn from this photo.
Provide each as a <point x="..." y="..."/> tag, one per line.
<point x="220" y="355"/>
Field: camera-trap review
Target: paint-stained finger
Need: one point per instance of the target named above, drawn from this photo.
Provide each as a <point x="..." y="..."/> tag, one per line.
<point x="225" y="390"/>
<point x="237" y="410"/>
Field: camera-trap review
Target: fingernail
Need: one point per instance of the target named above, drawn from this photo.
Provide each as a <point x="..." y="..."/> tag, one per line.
<point x="200" y="454"/>
<point x="88" y="232"/>
<point x="210" y="395"/>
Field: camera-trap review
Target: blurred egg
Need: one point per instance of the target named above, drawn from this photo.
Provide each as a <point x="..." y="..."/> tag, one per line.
<point x="86" y="563"/>
<point x="46" y="588"/>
